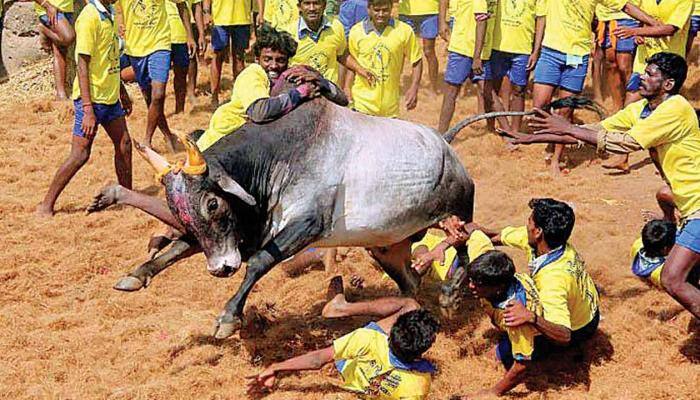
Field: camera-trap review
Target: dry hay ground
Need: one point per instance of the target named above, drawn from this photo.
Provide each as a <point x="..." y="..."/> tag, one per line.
<point x="65" y="333"/>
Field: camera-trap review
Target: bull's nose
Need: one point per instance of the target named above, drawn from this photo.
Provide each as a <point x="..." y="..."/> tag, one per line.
<point x="224" y="272"/>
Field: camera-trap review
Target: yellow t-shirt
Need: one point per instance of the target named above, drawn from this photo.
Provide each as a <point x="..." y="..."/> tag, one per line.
<point x="646" y="267"/>
<point x="384" y="56"/>
<point x="671" y="129"/>
<point x="671" y="12"/>
<point x="61" y="5"/>
<point x="569" y="24"/>
<point x="282" y="15"/>
<point x="178" y="34"/>
<point x="477" y="245"/>
<point x="568" y="295"/>
<point x="696" y="9"/>
<point x="367" y="366"/>
<point x="232" y="12"/>
<point x="96" y="36"/>
<point x="514" y="27"/>
<point x="323" y="53"/>
<point x="147" y="27"/>
<point x="605" y="14"/>
<point x="463" y="36"/>
<point x="419" y="7"/>
<point x="251" y="85"/>
<point x="522" y="338"/>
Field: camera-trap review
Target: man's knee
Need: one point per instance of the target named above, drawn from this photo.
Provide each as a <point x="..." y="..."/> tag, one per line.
<point x="125" y="142"/>
<point x="79" y="156"/>
<point x="429" y="48"/>
<point x="518" y="91"/>
<point x="671" y="281"/>
<point x="157" y="92"/>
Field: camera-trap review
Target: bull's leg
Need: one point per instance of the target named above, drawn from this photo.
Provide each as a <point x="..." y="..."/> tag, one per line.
<point x="141" y="276"/>
<point x="117" y="194"/>
<point x="395" y="260"/>
<point x="292" y="239"/>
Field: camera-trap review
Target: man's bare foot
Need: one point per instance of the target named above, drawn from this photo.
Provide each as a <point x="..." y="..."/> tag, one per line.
<point x="555" y="169"/>
<point x="107" y="196"/>
<point x="43" y="211"/>
<point x="335" y="307"/>
<point x="335" y="287"/>
<point x="620" y="163"/>
<point x="648" y="215"/>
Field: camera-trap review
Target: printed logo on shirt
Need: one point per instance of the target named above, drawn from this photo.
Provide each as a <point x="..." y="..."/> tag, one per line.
<point x="145" y="13"/>
<point x="380" y="62"/>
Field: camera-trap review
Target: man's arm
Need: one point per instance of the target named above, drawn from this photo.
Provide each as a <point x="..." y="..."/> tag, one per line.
<point x="199" y="21"/>
<point x="637" y="13"/>
<point x="310" y="361"/>
<point x="412" y="93"/>
<point x="89" y="125"/>
<point x="351" y="63"/>
<point x="477" y="64"/>
<point x="513" y="377"/>
<point x="184" y="12"/>
<point x="271" y="108"/>
<point x="540" y="24"/>
<point x="646" y="31"/>
<point x="443" y="24"/>
<point x="517" y="314"/>
<point x="206" y="8"/>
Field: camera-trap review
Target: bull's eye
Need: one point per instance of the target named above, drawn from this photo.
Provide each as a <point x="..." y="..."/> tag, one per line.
<point x="212" y="205"/>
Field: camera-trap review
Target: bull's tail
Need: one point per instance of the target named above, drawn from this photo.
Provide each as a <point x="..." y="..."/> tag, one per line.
<point x="575" y="102"/>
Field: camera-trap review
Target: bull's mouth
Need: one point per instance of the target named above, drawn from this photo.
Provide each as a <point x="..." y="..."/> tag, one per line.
<point x="224" y="272"/>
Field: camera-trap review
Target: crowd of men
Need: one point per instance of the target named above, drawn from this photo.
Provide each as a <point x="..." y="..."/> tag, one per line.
<point x="357" y="50"/>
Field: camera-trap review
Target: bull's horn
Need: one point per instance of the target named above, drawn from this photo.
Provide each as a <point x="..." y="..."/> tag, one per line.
<point x="158" y="162"/>
<point x="195" y="165"/>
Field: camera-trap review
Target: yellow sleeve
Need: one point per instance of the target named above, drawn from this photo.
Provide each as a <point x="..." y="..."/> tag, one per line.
<point x="553" y="296"/>
<point x="480" y="7"/>
<point x="624" y="120"/>
<point x="416" y="53"/>
<point x="478" y="244"/>
<point x="681" y="13"/>
<point x="352" y="42"/>
<point x="664" y="125"/>
<point x="636" y="246"/>
<point x="541" y="8"/>
<point x="251" y="85"/>
<point x="350" y="346"/>
<point x="85" y="34"/>
<point x="269" y="11"/>
<point x="340" y="33"/>
<point x="515" y="237"/>
<point x="522" y="340"/>
<point x="616" y="5"/>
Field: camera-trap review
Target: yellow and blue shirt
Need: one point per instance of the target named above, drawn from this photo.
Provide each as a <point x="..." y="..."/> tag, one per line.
<point x="320" y="50"/>
<point x="672" y="130"/>
<point x="566" y="290"/>
<point x="644" y="266"/>
<point x="96" y="36"/>
<point x="383" y="54"/>
<point x="369" y="367"/>
<point x="671" y="12"/>
<point x="463" y="38"/>
<point x="251" y="85"/>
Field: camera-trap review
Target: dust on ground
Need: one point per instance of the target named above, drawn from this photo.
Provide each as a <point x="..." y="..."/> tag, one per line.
<point x="65" y="333"/>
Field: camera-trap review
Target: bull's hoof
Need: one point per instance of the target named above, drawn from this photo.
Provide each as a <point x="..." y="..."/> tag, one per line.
<point x="226" y="325"/>
<point x="130" y="284"/>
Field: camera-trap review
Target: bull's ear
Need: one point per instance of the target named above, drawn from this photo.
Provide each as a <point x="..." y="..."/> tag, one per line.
<point x="226" y="183"/>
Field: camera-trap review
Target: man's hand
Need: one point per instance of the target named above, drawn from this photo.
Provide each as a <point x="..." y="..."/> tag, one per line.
<point x="639" y="40"/>
<point x="89" y="125"/>
<point x="126" y="102"/>
<point x="201" y="46"/>
<point x="309" y="90"/>
<point x="51" y="14"/>
<point x="423" y="261"/>
<point x="477" y="66"/>
<point x="301" y="75"/>
<point x="411" y="99"/>
<point x="368" y="75"/>
<point x="517" y="315"/>
<point x="260" y="20"/>
<point x="444" y="29"/>
<point x="191" y="48"/>
<point x="532" y="61"/>
<point x="624" y="32"/>
<point x="264" y="380"/>
<point x="545" y="122"/>
<point x="452" y="225"/>
<point x="207" y="20"/>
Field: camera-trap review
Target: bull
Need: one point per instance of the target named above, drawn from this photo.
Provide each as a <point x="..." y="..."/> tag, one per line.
<point x="321" y="176"/>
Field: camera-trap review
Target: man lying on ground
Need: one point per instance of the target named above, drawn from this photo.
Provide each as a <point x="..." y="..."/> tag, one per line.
<point x="379" y="361"/>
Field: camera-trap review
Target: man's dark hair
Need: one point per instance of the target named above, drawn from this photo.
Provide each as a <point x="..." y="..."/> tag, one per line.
<point x="555" y="218"/>
<point x="493" y="268"/>
<point x="672" y="66"/>
<point x="413" y="334"/>
<point x="379" y="2"/>
<point x="270" y="38"/>
<point x="658" y="235"/>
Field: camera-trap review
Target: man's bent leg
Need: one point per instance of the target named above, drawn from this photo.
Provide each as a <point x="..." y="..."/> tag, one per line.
<point x="116" y="194"/>
<point x="674" y="277"/>
<point x="339" y="307"/>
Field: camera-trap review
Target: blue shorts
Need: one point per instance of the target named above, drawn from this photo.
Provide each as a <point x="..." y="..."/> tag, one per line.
<point x="634" y="82"/>
<point x="694" y="26"/>
<point x="153" y="67"/>
<point x="689" y="235"/>
<point x="238" y="35"/>
<point x="459" y="69"/>
<point x="124" y="62"/>
<point x="621" y="45"/>
<point x="425" y="26"/>
<point x="552" y="69"/>
<point x="103" y="113"/>
<point x="512" y="65"/>
<point x="179" y="55"/>
<point x="44" y="19"/>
